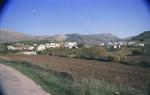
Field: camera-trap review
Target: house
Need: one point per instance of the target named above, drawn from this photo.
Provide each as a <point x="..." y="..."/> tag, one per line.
<point x="41" y="47"/>
<point x="11" y="48"/>
<point x="57" y="45"/>
<point x="29" y="53"/>
<point x="102" y="44"/>
<point x="109" y="43"/>
<point x="30" y="47"/>
<point x="140" y="44"/>
<point x="121" y="43"/>
<point x="35" y="44"/>
<point x="114" y="46"/>
<point x="52" y="45"/>
<point x="131" y="43"/>
<point x="70" y="45"/>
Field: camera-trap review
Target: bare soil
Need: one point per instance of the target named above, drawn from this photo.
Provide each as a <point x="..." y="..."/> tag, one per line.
<point x="116" y="73"/>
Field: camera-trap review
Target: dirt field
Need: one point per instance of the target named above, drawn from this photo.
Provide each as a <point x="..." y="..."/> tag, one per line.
<point x="136" y="77"/>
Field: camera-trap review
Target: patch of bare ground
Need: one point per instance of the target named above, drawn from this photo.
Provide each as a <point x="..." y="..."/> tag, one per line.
<point x="136" y="77"/>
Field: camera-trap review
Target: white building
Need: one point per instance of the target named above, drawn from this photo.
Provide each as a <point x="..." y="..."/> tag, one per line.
<point x="70" y="45"/>
<point x="115" y="46"/>
<point x="41" y="47"/>
<point x="121" y="43"/>
<point x="109" y="43"/>
<point x="29" y="53"/>
<point x="11" y="48"/>
<point x="35" y="44"/>
<point x="57" y="45"/>
<point x="131" y="43"/>
<point x="30" y="47"/>
<point x="140" y="44"/>
<point x="102" y="44"/>
<point x="52" y="45"/>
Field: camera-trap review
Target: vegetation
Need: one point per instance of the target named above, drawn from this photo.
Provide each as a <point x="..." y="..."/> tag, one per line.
<point x="3" y="48"/>
<point x="100" y="53"/>
<point x="94" y="53"/>
<point x="62" y="83"/>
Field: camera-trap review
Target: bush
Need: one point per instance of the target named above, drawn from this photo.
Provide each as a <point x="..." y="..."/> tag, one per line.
<point x="136" y="63"/>
<point x="136" y="52"/>
<point x="88" y="53"/>
<point x="116" y="58"/>
<point x="106" y="58"/>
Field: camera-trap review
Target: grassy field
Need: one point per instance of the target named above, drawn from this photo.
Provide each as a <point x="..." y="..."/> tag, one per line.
<point x="75" y="76"/>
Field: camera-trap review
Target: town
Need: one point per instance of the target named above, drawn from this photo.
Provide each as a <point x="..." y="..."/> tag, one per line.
<point x="34" y="48"/>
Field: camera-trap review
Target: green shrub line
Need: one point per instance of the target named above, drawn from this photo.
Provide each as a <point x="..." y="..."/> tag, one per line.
<point x="62" y="83"/>
<point x="97" y="53"/>
<point x="136" y="63"/>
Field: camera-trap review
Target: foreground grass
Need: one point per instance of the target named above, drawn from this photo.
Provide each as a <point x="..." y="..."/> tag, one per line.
<point x="62" y="83"/>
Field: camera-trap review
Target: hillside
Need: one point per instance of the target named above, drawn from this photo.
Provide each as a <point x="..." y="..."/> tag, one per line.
<point x="92" y="39"/>
<point x="12" y="36"/>
<point x="144" y="37"/>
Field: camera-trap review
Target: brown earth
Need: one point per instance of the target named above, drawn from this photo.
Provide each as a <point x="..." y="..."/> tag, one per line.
<point x="136" y="77"/>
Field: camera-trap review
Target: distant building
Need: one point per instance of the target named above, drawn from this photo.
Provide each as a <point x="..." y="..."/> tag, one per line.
<point x="140" y="44"/>
<point x="102" y="44"/>
<point x="70" y="45"/>
<point x="29" y="53"/>
<point x="11" y="48"/>
<point x="31" y="48"/>
<point x="41" y="47"/>
<point x="131" y="43"/>
<point x="110" y="43"/>
<point x="115" y="46"/>
<point x="19" y="47"/>
<point x="35" y="44"/>
<point x="52" y="45"/>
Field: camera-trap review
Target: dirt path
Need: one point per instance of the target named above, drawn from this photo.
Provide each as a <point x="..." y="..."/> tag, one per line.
<point x="13" y="82"/>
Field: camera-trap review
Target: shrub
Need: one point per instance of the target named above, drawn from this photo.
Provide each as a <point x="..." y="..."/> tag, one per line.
<point x="136" y="52"/>
<point x="106" y="58"/>
<point x="116" y="58"/>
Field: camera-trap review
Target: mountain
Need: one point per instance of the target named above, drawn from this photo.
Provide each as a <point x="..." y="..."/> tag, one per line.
<point x="12" y="36"/>
<point x="92" y="39"/>
<point x="143" y="37"/>
<point x="56" y="38"/>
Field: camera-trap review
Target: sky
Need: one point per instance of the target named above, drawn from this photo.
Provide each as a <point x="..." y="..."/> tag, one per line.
<point x="123" y="18"/>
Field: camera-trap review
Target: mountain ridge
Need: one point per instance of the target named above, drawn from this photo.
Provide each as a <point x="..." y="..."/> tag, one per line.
<point x="142" y="37"/>
<point x="13" y="36"/>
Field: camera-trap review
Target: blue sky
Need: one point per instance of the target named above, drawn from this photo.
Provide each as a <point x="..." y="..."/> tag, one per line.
<point x="123" y="18"/>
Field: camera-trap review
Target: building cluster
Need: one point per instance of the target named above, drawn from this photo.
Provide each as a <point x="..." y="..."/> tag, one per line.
<point x="20" y="47"/>
<point x="121" y="44"/>
<point x="31" y="49"/>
